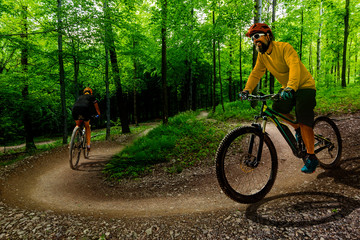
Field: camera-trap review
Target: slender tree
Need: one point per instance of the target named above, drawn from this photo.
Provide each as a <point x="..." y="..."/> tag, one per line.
<point x="106" y="42"/>
<point x="134" y="84"/>
<point x="272" y="79"/>
<point x="221" y="88"/>
<point x="76" y="64"/>
<point x="30" y="145"/>
<point x="165" y="114"/>
<point x="214" y="65"/>
<point x="240" y="62"/>
<point x="346" y="34"/>
<point x="62" y="73"/>
<point x="122" y="109"/>
<point x="301" y="31"/>
<point x="257" y="18"/>
<point x="318" y="52"/>
<point x="231" y="85"/>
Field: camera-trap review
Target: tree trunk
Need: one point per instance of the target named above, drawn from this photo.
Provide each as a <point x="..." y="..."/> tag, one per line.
<point x="355" y="68"/>
<point x="272" y="79"/>
<point x="257" y="18"/>
<point x="310" y="58"/>
<point x="62" y="75"/>
<point x="191" y="89"/>
<point x="214" y="66"/>
<point x="338" y="67"/>
<point x="221" y="89"/>
<point x="134" y="88"/>
<point x="106" y="45"/>
<point x="29" y="138"/>
<point x="349" y="59"/>
<point x="231" y="87"/>
<point x="108" y="117"/>
<point x="346" y="34"/>
<point x="318" y="53"/>
<point x="165" y="114"/>
<point x="240" y="64"/>
<point x="110" y="42"/>
<point x="301" y="32"/>
<point x="76" y="68"/>
<point x="119" y="94"/>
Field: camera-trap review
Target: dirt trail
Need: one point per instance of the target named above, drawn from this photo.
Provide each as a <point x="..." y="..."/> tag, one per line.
<point x="49" y="184"/>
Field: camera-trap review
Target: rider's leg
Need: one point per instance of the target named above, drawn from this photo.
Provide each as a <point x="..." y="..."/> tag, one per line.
<point x="78" y="122"/>
<point x="311" y="162"/>
<point x="285" y="107"/>
<point x="305" y="104"/>
<point x="290" y="116"/>
<point x="88" y="133"/>
<point x="307" y="134"/>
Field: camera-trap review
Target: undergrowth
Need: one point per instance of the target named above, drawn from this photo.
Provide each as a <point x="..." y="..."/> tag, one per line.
<point x="338" y="100"/>
<point x="185" y="141"/>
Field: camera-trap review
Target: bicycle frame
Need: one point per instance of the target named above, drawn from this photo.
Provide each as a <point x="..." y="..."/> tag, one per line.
<point x="268" y="113"/>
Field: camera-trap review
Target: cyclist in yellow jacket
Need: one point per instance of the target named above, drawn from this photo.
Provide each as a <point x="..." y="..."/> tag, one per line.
<point x="298" y="86"/>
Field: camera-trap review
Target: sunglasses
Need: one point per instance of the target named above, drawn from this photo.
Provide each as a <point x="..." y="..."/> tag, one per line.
<point x="257" y="36"/>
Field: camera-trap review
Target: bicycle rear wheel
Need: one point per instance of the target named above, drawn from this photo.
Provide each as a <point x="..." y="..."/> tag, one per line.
<point x="76" y="144"/>
<point x="328" y="143"/>
<point x="241" y="176"/>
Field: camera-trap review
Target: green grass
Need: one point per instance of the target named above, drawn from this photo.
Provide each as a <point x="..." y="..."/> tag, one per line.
<point x="100" y="134"/>
<point x="184" y="142"/>
<point x="238" y="110"/>
<point x="338" y="100"/>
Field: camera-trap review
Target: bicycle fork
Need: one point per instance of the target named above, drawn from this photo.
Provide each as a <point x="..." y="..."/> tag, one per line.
<point x="255" y="160"/>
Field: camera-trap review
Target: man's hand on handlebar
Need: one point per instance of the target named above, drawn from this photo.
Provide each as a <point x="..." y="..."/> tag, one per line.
<point x="287" y="93"/>
<point x="244" y="95"/>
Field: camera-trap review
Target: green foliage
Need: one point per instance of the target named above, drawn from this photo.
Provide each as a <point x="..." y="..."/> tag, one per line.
<point x="338" y="100"/>
<point x="238" y="110"/>
<point x="184" y="142"/>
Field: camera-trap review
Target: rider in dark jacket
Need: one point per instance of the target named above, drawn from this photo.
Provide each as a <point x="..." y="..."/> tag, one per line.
<point x="85" y="107"/>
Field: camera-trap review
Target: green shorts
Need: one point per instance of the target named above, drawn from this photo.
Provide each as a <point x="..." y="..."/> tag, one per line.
<point x="304" y="102"/>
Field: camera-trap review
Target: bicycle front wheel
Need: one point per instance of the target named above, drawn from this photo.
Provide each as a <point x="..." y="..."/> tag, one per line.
<point x="246" y="171"/>
<point x="328" y="143"/>
<point x="76" y="144"/>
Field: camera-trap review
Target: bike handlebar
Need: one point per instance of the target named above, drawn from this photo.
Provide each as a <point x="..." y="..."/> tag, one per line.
<point x="260" y="97"/>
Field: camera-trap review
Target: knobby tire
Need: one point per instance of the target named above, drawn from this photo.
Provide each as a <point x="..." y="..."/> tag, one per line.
<point x="76" y="144"/>
<point x="239" y="181"/>
<point x="326" y="131"/>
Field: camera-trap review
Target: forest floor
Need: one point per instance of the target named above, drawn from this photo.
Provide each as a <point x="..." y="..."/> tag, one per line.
<point x="42" y="198"/>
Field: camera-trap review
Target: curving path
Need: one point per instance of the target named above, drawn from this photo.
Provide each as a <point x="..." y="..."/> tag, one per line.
<point x="48" y="183"/>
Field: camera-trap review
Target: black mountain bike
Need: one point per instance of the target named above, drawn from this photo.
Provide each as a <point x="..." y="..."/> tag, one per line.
<point x="246" y="159"/>
<point x="78" y="145"/>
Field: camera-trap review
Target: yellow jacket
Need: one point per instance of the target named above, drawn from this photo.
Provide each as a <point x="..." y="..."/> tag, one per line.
<point x="283" y="62"/>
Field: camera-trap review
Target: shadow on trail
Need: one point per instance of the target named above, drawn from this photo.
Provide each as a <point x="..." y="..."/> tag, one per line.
<point x="301" y="209"/>
<point x="95" y="163"/>
<point x="348" y="173"/>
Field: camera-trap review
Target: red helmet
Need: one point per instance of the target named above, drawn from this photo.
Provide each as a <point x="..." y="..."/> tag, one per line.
<point x="258" y="27"/>
<point x="88" y="90"/>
